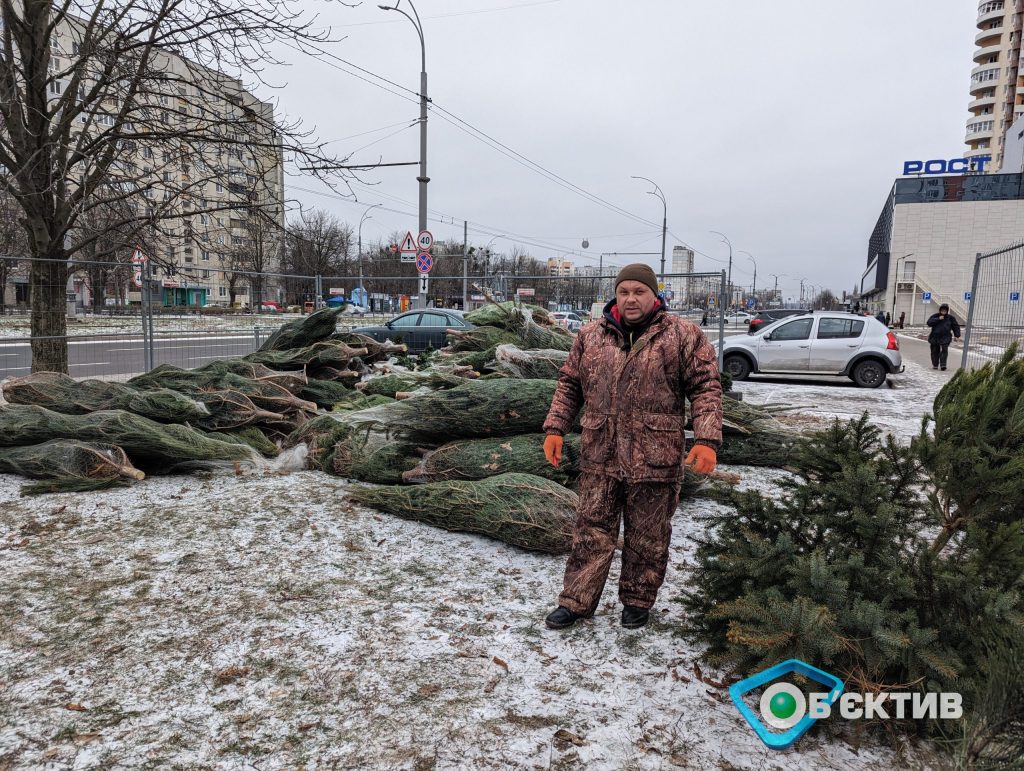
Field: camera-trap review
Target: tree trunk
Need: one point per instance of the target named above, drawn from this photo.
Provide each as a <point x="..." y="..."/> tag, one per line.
<point x="48" y="286"/>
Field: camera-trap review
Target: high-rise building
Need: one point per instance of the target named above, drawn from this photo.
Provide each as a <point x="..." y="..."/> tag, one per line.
<point x="997" y="80"/>
<point x="558" y="267"/>
<point x="682" y="262"/>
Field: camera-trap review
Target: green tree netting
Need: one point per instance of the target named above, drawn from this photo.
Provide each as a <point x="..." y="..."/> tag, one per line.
<point x="519" y="509"/>
<point x="760" y="448"/>
<point x="325" y="393"/>
<point x="478" y="360"/>
<point x="480" y="338"/>
<point x="69" y="465"/>
<point x="478" y="408"/>
<point x="359" y="401"/>
<point x="375" y="351"/>
<point x="434" y="378"/>
<point x="320" y="435"/>
<point x="302" y="332"/>
<point x="293" y="381"/>
<point x="482" y="458"/>
<point x="253" y="437"/>
<point x="542" y="363"/>
<point x="497" y="314"/>
<point x="150" y="445"/>
<point x="61" y="393"/>
<point x="333" y="374"/>
<point x="326" y="353"/>
<point x="381" y="463"/>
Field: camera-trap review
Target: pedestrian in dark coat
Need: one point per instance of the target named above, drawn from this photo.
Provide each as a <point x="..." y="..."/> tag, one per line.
<point x="903" y="317"/>
<point x="880" y="316"/>
<point x="633" y="370"/>
<point x="944" y="328"/>
<point x="888" y="318"/>
<point x="704" y="319"/>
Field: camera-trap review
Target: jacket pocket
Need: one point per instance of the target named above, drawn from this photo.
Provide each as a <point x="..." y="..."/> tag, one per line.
<point x="596" y="440"/>
<point x="661" y="440"/>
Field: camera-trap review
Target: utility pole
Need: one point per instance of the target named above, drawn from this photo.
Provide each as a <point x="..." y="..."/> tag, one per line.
<point x="423" y="179"/>
<point x="465" y="266"/>
<point x="753" y="289"/>
<point x="366" y="216"/>
<point x="664" y="222"/>
<point x="728" y="279"/>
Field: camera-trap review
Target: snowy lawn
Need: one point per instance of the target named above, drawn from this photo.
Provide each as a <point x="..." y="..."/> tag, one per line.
<point x="260" y="620"/>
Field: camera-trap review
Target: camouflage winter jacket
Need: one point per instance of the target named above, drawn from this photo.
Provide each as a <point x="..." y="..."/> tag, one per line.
<point x="634" y="397"/>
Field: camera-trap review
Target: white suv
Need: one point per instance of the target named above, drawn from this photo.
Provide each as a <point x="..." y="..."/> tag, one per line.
<point x="568" y="320"/>
<point x="859" y="347"/>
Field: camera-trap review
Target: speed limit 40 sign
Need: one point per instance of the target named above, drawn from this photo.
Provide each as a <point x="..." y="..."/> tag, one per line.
<point x="425" y="240"/>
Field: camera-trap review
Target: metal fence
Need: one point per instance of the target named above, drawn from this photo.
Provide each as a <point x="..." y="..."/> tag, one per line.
<point x="115" y="320"/>
<point x="995" y="316"/>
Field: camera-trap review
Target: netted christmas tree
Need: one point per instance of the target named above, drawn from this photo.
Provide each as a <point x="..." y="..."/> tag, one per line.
<point x="894" y="567"/>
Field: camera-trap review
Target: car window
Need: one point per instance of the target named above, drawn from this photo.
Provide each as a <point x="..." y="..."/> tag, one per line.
<point x="831" y="329"/>
<point x="435" y="320"/>
<point x="409" y="320"/>
<point x="793" y="330"/>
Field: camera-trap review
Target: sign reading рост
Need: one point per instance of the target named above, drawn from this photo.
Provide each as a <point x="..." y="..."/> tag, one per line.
<point x="952" y="166"/>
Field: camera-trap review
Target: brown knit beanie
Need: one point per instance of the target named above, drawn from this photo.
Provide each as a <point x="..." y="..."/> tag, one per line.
<point x="638" y="272"/>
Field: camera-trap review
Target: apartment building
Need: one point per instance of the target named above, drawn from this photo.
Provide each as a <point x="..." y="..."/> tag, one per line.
<point x="682" y="262"/>
<point x="559" y="267"/>
<point x="207" y="163"/>
<point x="997" y="80"/>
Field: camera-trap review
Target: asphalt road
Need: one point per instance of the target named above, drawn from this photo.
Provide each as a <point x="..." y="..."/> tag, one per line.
<point x="106" y="355"/>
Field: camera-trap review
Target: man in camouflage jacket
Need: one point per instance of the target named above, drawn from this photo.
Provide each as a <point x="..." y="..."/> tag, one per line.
<point x="632" y="370"/>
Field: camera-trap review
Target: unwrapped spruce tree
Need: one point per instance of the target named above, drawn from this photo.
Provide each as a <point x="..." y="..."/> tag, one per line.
<point x="894" y="567"/>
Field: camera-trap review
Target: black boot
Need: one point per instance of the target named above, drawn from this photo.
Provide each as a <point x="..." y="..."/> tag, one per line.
<point x="634" y="617"/>
<point x="562" y="618"/>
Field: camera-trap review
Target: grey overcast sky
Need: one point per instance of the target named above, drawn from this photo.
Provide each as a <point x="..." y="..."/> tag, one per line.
<point x="781" y="124"/>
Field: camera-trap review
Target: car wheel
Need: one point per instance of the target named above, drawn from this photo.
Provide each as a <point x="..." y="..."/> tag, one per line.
<point x="869" y="374"/>
<point x="736" y="366"/>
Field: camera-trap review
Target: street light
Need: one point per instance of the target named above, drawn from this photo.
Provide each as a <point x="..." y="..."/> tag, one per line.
<point x="728" y="280"/>
<point x="664" y="221"/>
<point x="366" y="216"/>
<point x="753" y="289"/>
<point x="423" y="179"/>
<point x="895" y="281"/>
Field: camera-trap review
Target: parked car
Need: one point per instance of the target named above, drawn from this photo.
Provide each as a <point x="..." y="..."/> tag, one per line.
<point x="763" y="318"/>
<point x="269" y="308"/>
<point x="737" y="317"/>
<point x="862" y="349"/>
<point x="568" y="320"/>
<point x="419" y="328"/>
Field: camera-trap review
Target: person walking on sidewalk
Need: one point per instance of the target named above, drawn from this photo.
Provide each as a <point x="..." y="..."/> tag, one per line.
<point x="633" y="370"/>
<point x="944" y="328"/>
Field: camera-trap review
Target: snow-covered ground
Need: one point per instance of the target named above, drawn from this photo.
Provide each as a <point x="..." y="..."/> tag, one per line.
<point x="259" y="619"/>
<point x="18" y="326"/>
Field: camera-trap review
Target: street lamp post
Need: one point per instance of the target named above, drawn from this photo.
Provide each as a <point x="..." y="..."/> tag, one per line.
<point x="775" y="292"/>
<point x="664" y="221"/>
<point x="753" y="289"/>
<point x="895" y="282"/>
<point x="728" y="280"/>
<point x="423" y="179"/>
<point x="366" y="216"/>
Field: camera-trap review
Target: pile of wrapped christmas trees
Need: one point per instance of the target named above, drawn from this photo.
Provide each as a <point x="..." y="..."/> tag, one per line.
<point x="452" y="438"/>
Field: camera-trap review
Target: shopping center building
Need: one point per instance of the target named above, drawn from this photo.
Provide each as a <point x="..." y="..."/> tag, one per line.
<point x="922" y="250"/>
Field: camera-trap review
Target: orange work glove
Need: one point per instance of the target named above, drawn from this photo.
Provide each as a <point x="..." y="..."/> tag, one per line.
<point x="553" y="449"/>
<point x="701" y="459"/>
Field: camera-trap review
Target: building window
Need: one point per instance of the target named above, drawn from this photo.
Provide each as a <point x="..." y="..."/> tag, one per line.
<point x="222" y="291"/>
<point x="985" y="75"/>
<point x="984" y="125"/>
<point x="56" y="87"/>
<point x="204" y="255"/>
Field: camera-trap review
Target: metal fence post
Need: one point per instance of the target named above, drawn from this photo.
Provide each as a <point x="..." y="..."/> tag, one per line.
<point x="147" y="316"/>
<point x="256" y="336"/>
<point x="970" y="312"/>
<point x="721" y="322"/>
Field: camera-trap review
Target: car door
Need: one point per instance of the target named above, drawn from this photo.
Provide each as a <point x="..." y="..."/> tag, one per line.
<point x="835" y="340"/>
<point x="432" y="330"/>
<point x="786" y="348"/>
<point x="403" y="329"/>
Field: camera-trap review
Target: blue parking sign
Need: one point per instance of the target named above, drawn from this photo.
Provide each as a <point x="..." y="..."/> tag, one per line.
<point x="967" y="297"/>
<point x="1015" y="297"/>
<point x="926" y="297"/>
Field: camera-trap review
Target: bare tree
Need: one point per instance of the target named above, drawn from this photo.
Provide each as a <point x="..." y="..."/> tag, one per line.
<point x="12" y="243"/>
<point x="139" y="104"/>
<point x="257" y="253"/>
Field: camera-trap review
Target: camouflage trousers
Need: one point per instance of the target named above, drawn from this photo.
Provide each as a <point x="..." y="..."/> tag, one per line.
<point x="645" y="509"/>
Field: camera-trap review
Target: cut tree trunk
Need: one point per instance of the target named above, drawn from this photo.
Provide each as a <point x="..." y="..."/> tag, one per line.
<point x="48" y="281"/>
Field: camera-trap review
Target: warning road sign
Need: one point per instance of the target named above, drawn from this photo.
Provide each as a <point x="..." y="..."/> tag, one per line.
<point x="424" y="262"/>
<point x="407" y="245"/>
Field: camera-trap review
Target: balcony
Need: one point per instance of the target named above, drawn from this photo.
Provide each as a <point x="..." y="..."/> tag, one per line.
<point x="978" y="136"/>
<point x="981" y="103"/>
<point x="974" y="152"/>
<point x="987" y="34"/>
<point x="985" y="19"/>
<point x="982" y="54"/>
